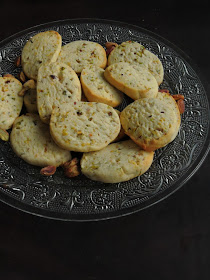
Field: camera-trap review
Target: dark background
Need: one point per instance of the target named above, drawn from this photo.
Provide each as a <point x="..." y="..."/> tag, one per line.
<point x="170" y="240"/>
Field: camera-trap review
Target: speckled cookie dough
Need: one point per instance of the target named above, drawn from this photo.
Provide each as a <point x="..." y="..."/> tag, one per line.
<point x="79" y="54"/>
<point x="10" y="102"/>
<point x="97" y="89"/>
<point x="134" y="80"/>
<point x="41" y="48"/>
<point x="84" y="126"/>
<point x="30" y="140"/>
<point x="116" y="163"/>
<point x="134" y="53"/>
<point x="57" y="84"/>
<point x="152" y="123"/>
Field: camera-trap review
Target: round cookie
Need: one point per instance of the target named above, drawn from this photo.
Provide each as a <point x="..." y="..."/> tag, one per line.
<point x="80" y="54"/>
<point x="134" y="53"/>
<point x="30" y="140"/>
<point x="30" y="101"/>
<point x="10" y="102"/>
<point x="41" y="48"/>
<point x="152" y="122"/>
<point x="134" y="80"/>
<point x="84" y="126"/>
<point x="97" y="89"/>
<point x="57" y="83"/>
<point x="116" y="163"/>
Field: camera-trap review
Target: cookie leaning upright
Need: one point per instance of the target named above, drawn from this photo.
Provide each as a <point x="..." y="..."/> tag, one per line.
<point x="10" y="102"/>
<point x="79" y="54"/>
<point x="84" y="126"/>
<point x="30" y="140"/>
<point x="134" y="80"/>
<point x="41" y="48"/>
<point x="152" y="123"/>
<point x="116" y="163"/>
<point x="97" y="89"/>
<point x="134" y="53"/>
<point x="57" y="83"/>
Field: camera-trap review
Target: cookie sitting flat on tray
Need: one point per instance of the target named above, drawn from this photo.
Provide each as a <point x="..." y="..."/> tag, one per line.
<point x="79" y="54"/>
<point x="97" y="89"/>
<point x="134" y="53"/>
<point x="116" y="163"/>
<point x="30" y="140"/>
<point x="134" y="80"/>
<point x="10" y="103"/>
<point x="57" y="83"/>
<point x="152" y="123"/>
<point x="84" y="126"/>
<point x="41" y="48"/>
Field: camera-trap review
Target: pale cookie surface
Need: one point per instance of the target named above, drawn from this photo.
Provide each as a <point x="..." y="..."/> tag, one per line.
<point x="167" y="97"/>
<point x="30" y="101"/>
<point x="134" y="80"/>
<point x="97" y="89"/>
<point x="10" y="103"/>
<point x="30" y="140"/>
<point x="116" y="163"/>
<point x="135" y="53"/>
<point x="57" y="83"/>
<point x="41" y="48"/>
<point x="151" y="122"/>
<point x="84" y="126"/>
<point x="79" y="54"/>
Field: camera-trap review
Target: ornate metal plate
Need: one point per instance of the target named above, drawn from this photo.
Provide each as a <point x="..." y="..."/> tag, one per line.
<point x="57" y="197"/>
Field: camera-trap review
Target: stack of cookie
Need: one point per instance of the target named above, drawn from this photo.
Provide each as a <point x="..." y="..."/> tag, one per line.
<point x="70" y="99"/>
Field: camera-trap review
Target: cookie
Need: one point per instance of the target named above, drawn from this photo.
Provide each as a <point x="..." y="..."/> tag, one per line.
<point x="57" y="83"/>
<point x="84" y="126"/>
<point x="30" y="140"/>
<point x="41" y="48"/>
<point x="97" y="89"/>
<point x="116" y="163"/>
<point x="10" y="103"/>
<point x="152" y="122"/>
<point x="134" y="80"/>
<point x="134" y="53"/>
<point x="80" y="54"/>
<point x="30" y="101"/>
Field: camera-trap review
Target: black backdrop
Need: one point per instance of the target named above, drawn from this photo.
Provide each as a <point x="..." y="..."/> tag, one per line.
<point x="170" y="240"/>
